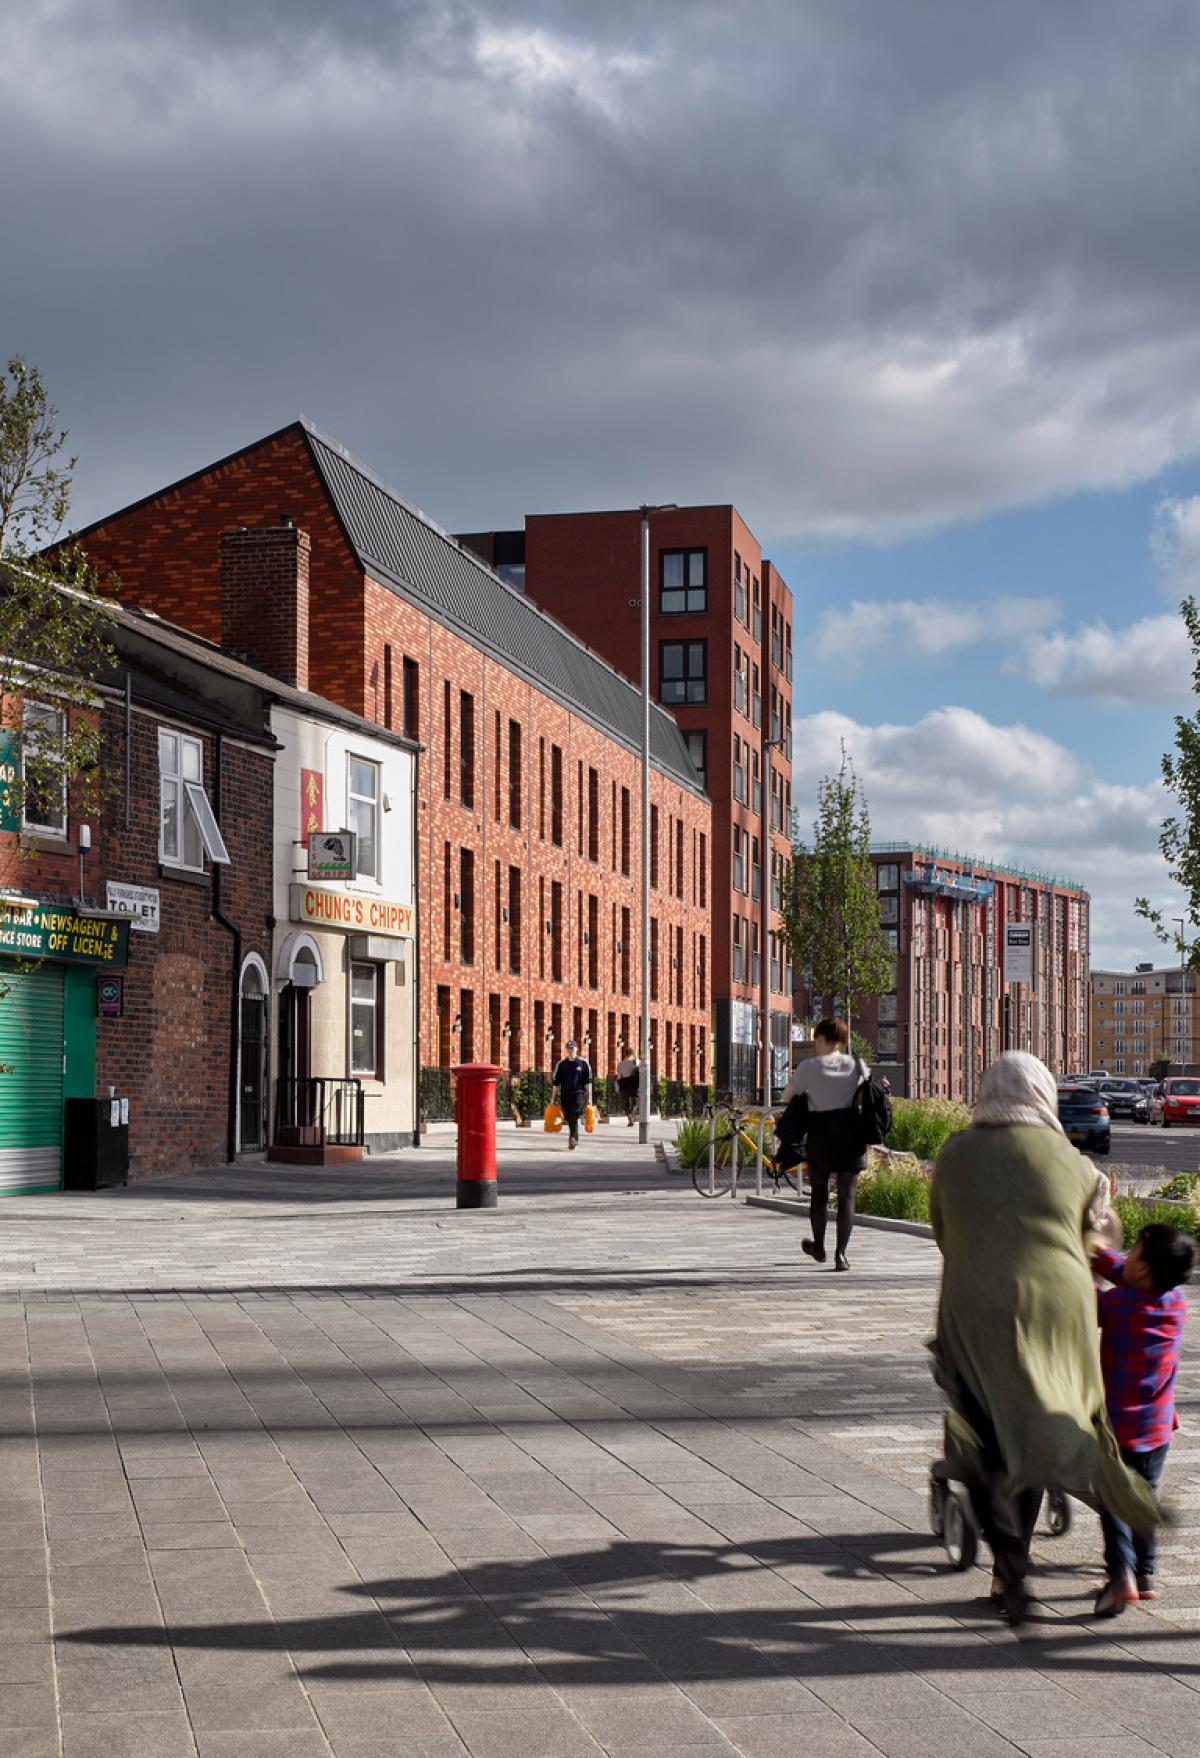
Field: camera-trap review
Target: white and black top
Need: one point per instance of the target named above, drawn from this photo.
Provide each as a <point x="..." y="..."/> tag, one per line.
<point x="828" y="1084"/>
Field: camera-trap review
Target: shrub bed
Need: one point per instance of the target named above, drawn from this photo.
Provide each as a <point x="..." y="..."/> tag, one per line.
<point x="922" y="1126"/>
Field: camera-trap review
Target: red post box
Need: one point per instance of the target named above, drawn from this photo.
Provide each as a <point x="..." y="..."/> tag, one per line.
<point x="475" y="1114"/>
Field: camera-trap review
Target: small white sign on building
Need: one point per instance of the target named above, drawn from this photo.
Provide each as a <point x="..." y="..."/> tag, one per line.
<point x="1018" y="952"/>
<point x="138" y="902"/>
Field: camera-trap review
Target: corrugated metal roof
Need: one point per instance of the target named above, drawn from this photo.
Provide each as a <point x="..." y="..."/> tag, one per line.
<point x="401" y="548"/>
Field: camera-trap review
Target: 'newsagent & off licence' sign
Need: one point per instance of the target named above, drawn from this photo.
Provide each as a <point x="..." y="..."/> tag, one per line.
<point x="56" y="931"/>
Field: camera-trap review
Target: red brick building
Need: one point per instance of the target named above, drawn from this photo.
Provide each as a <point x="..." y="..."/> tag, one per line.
<point x="721" y="656"/>
<point x="128" y="923"/>
<point x="958" y="1001"/>
<point x="529" y="783"/>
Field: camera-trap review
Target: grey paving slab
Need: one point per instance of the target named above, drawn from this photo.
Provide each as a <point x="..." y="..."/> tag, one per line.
<point x="613" y="1473"/>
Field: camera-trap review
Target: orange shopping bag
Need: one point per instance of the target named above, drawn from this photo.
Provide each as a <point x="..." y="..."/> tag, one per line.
<point x="589" y="1118"/>
<point x="552" y="1122"/>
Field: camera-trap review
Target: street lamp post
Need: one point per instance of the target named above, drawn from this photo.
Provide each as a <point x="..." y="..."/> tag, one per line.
<point x="769" y="745"/>
<point x="644" y="1082"/>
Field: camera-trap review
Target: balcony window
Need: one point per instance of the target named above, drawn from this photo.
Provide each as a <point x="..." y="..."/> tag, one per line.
<point x="683" y="581"/>
<point x="682" y="671"/>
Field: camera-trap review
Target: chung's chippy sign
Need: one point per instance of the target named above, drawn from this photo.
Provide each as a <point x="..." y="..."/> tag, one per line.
<point x="53" y="931"/>
<point x="352" y="911"/>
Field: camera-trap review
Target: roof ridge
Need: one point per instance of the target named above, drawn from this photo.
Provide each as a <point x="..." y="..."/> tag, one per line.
<point x="481" y="567"/>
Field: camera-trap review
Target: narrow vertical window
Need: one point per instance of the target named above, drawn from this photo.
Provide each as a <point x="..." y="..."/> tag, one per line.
<point x="387" y="684"/>
<point x="514" y="774"/>
<point x="466" y="759"/>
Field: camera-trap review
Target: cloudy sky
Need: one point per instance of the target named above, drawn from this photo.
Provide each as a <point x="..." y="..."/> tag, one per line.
<point x="915" y="283"/>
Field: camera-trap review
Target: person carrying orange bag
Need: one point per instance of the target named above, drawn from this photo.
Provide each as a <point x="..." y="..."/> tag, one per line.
<point x="573" y="1089"/>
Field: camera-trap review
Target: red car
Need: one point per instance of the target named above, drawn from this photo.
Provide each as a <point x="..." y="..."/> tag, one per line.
<point x="1180" y="1102"/>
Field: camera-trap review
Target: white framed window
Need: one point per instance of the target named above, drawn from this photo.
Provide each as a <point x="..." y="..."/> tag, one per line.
<point x="366" y="1022"/>
<point x="362" y="792"/>
<point x="188" y="829"/>
<point x="43" y="731"/>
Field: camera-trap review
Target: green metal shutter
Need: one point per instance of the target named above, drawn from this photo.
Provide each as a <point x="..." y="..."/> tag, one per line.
<point x="31" y="1093"/>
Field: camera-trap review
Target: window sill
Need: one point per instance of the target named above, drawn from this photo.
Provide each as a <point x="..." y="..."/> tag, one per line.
<point x="47" y="842"/>
<point x="182" y="875"/>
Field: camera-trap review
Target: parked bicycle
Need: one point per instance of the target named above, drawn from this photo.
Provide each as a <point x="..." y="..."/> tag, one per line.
<point x="735" y="1136"/>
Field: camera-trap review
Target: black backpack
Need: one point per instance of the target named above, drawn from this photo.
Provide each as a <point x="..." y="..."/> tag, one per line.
<point x="872" y="1113"/>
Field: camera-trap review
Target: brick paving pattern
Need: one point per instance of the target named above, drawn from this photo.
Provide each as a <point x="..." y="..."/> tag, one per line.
<point x="299" y="1464"/>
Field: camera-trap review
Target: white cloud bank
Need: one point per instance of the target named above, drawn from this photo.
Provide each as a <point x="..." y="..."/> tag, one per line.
<point x="927" y="627"/>
<point x="958" y="781"/>
<point x="1148" y="661"/>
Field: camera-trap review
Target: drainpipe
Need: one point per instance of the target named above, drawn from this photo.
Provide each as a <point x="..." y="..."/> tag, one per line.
<point x="231" y="1146"/>
<point x="416" y="998"/>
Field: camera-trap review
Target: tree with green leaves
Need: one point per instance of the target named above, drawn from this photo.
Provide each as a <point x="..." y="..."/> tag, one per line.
<point x="53" y="627"/>
<point x="830" y="906"/>
<point x="1179" y="838"/>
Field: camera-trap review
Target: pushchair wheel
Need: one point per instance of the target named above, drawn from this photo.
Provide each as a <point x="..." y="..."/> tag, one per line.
<point x="959" y="1534"/>
<point x="937" y="1502"/>
<point x="1058" y="1513"/>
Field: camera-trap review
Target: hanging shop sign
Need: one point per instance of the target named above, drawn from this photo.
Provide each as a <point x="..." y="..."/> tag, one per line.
<point x="51" y="931"/>
<point x="138" y="902"/>
<point x="345" y="909"/>
<point x="331" y="854"/>
<point x="1018" y="952"/>
<point x="10" y="774"/>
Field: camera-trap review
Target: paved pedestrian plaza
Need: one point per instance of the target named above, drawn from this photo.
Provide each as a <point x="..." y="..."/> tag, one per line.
<point x="299" y="1464"/>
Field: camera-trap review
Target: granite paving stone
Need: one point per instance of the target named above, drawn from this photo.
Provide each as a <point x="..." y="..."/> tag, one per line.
<point x="311" y="1463"/>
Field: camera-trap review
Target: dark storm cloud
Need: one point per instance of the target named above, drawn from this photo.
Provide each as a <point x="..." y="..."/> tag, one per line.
<point x="861" y="266"/>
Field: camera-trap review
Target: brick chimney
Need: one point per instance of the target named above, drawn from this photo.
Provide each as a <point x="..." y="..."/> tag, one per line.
<point x="264" y="598"/>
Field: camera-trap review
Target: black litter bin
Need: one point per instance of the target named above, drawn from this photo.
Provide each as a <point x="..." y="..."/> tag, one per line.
<point x="95" y="1149"/>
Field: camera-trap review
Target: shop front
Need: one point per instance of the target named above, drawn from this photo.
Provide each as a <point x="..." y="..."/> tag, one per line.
<point x="53" y="960"/>
<point x="345" y="974"/>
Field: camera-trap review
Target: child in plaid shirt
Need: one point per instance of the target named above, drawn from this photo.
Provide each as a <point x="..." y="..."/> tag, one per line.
<point x="1141" y="1326"/>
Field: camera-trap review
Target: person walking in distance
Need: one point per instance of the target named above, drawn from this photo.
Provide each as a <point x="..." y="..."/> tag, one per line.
<point x="629" y="1071"/>
<point x="826" y="1084"/>
<point x="573" y="1089"/>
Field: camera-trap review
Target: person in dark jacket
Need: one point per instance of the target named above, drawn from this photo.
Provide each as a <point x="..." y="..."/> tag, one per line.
<point x="573" y="1089"/>
<point x="826" y="1084"/>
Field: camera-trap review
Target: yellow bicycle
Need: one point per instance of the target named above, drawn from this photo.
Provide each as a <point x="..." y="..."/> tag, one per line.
<point x="732" y="1151"/>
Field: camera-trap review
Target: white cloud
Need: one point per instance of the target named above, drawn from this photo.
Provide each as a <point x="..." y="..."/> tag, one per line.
<point x="1175" y="544"/>
<point x="1149" y="661"/>
<point x="957" y="781"/>
<point x="927" y="627"/>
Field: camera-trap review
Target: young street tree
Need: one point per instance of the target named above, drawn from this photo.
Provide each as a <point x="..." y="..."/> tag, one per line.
<point x="1179" y="839"/>
<point x="52" y="630"/>
<point x="830" y="907"/>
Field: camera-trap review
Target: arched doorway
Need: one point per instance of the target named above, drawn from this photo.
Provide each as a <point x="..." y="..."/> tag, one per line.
<point x="252" y="1057"/>
<point x="299" y="969"/>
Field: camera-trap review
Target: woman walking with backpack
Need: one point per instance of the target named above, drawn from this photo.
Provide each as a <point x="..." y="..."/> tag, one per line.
<point x="827" y="1107"/>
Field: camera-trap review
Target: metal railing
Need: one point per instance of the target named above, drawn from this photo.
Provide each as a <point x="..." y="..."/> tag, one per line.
<point x="319" y="1112"/>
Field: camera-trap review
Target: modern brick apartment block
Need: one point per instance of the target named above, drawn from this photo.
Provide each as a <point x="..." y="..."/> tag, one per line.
<point x="528" y="813"/>
<point x="952" y="1010"/>
<point x="721" y="659"/>
<point x="1144" y="1018"/>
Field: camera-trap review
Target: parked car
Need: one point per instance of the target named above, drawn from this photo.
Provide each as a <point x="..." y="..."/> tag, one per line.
<point x="1084" y="1117"/>
<point x="1125" y="1098"/>
<point x="1180" y="1101"/>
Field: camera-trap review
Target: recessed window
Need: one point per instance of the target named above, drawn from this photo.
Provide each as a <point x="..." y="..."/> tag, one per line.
<point x="682" y="671"/>
<point x="366" y="1031"/>
<point x="683" y="581"/>
<point x="363" y="795"/>
<point x="188" y="828"/>
<point x="43" y="731"/>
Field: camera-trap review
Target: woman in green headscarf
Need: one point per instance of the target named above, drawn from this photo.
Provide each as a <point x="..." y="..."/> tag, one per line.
<point x="1017" y="1345"/>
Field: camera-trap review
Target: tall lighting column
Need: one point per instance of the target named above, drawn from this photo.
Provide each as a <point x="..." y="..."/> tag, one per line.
<point x="644" y="1082"/>
<point x="768" y="745"/>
